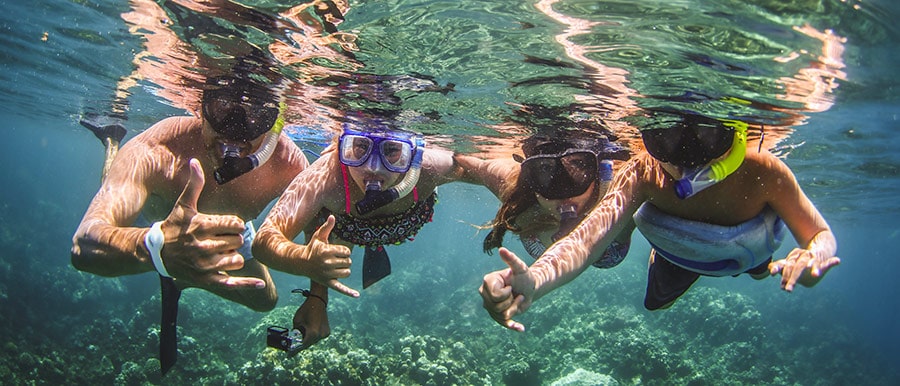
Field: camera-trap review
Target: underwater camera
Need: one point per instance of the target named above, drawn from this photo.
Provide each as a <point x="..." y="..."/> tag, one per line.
<point x="282" y="339"/>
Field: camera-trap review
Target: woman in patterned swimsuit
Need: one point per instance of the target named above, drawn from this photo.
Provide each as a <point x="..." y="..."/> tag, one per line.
<point x="547" y="193"/>
<point x="374" y="186"/>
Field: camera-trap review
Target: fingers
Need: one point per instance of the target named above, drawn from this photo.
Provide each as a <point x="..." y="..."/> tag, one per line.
<point x="802" y="267"/>
<point x="514" y="325"/>
<point x="499" y="301"/>
<point x="822" y="269"/>
<point x="324" y="231"/>
<point x="494" y="289"/>
<point x="236" y="282"/>
<point x="194" y="186"/>
<point x="340" y="287"/>
<point x="232" y="262"/>
<point x="516" y="265"/>
<point x="221" y="243"/>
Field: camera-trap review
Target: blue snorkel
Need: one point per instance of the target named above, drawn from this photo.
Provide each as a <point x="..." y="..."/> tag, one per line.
<point x="376" y="198"/>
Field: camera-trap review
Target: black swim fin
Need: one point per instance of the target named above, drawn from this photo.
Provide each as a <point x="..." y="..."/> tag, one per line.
<point x="113" y="131"/>
<point x="376" y="265"/>
<point x="168" y="342"/>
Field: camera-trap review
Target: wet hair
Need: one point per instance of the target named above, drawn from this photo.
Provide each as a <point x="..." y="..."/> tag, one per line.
<point x="687" y="140"/>
<point x="521" y="197"/>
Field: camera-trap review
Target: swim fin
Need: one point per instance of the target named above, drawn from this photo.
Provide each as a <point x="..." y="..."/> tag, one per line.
<point x="376" y="265"/>
<point x="168" y="342"/>
<point x="104" y="132"/>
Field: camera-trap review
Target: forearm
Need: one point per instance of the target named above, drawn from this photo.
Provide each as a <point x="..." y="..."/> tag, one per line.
<point x="571" y="255"/>
<point x="275" y="250"/>
<point x="108" y="250"/>
<point x="319" y="290"/>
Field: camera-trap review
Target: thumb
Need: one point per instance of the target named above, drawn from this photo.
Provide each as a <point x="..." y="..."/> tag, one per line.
<point x="194" y="186"/>
<point x="516" y="265"/>
<point x="324" y="231"/>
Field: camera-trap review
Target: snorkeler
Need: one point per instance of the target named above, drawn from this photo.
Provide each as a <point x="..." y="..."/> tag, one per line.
<point x="708" y="208"/>
<point x="548" y="192"/>
<point x="155" y="212"/>
<point x="374" y="187"/>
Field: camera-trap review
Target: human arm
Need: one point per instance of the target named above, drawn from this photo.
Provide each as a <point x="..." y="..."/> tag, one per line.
<point x="319" y="260"/>
<point x="808" y="264"/>
<point x="509" y="292"/>
<point x="312" y="318"/>
<point x="495" y="174"/>
<point x="196" y="248"/>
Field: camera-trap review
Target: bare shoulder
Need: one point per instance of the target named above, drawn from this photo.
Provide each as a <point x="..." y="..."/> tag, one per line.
<point x="767" y="168"/>
<point x="289" y="156"/>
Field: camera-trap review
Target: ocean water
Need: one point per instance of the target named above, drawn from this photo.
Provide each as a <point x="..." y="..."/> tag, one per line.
<point x="820" y="77"/>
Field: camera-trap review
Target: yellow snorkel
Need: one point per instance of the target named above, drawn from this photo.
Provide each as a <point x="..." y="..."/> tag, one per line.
<point x="702" y="178"/>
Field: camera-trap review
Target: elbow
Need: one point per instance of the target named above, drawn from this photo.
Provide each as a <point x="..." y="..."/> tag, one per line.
<point x="78" y="258"/>
<point x="266" y="302"/>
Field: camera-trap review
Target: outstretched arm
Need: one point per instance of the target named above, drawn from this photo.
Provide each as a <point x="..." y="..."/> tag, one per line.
<point x="571" y="255"/>
<point x="510" y="292"/>
<point x="808" y="264"/>
<point x="196" y="248"/>
<point x="319" y="260"/>
<point x="495" y="174"/>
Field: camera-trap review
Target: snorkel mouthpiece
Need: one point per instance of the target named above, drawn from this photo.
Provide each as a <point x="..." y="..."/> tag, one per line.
<point x="375" y="197"/>
<point x="233" y="165"/>
<point x="568" y="220"/>
<point x="696" y="180"/>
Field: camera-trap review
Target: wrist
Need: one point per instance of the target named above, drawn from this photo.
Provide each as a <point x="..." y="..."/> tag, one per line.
<point x="154" y="241"/>
<point x="312" y="295"/>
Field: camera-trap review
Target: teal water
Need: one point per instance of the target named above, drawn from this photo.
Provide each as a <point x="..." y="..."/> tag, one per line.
<point x="821" y="75"/>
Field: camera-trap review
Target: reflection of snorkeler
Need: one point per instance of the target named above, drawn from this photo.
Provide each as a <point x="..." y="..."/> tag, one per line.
<point x="707" y="207"/>
<point x="374" y="187"/>
<point x="546" y="194"/>
<point x="201" y="238"/>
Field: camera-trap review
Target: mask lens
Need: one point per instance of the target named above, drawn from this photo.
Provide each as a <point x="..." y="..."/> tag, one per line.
<point x="581" y="167"/>
<point x="397" y="155"/>
<point x="355" y="149"/>
<point x="260" y="119"/>
<point x="557" y="177"/>
<point x="239" y="121"/>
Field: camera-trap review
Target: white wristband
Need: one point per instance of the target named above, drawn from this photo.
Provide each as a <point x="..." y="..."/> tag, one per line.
<point x="154" y="240"/>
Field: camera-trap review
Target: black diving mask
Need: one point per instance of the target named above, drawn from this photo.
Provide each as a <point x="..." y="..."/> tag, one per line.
<point x="239" y="120"/>
<point x="561" y="175"/>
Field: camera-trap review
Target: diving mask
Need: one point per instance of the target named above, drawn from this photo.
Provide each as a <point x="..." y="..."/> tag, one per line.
<point x="396" y="150"/>
<point x="696" y="179"/>
<point x="561" y="175"/>
<point x="238" y="119"/>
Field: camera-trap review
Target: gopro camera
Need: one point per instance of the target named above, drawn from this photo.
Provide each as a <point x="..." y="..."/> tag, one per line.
<point x="284" y="340"/>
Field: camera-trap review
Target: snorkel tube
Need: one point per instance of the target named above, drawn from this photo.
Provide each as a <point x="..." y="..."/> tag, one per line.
<point x="696" y="180"/>
<point x="376" y="198"/>
<point x="233" y="165"/>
